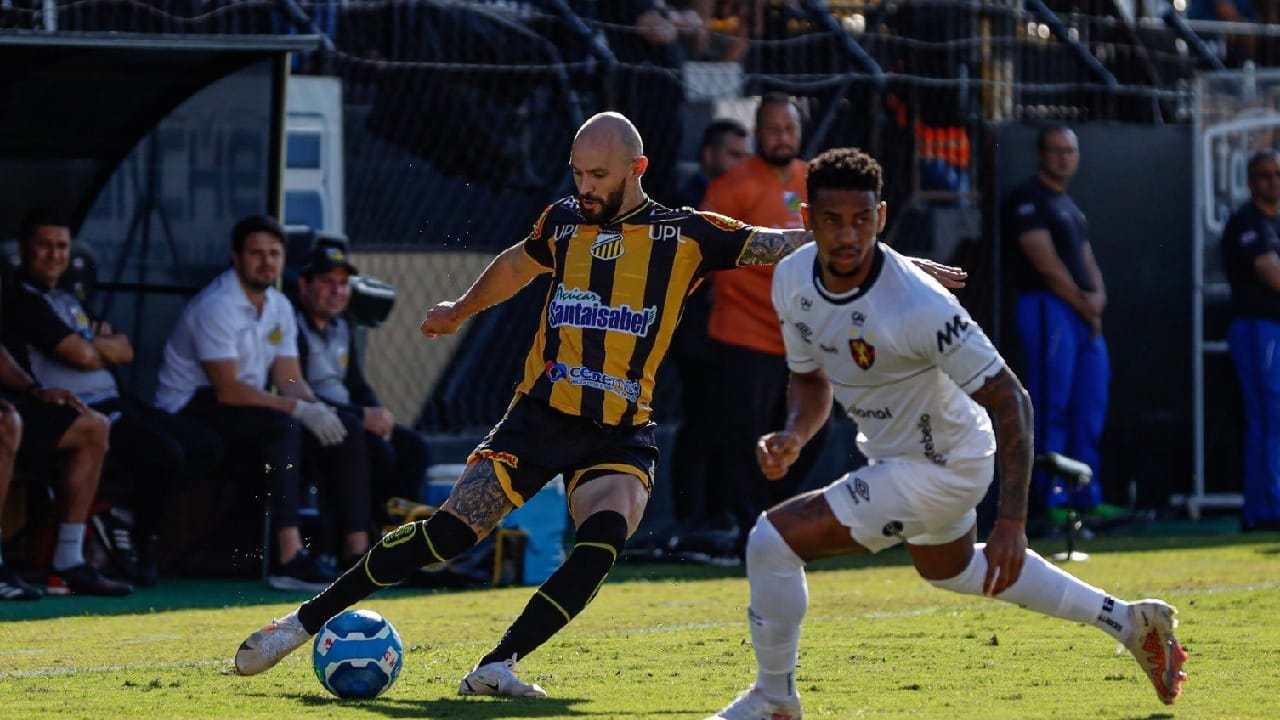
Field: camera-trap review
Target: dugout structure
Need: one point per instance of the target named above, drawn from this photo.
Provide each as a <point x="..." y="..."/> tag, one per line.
<point x="153" y="145"/>
<point x="1237" y="114"/>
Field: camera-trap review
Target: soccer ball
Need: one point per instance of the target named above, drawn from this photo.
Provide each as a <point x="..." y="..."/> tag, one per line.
<point x="357" y="654"/>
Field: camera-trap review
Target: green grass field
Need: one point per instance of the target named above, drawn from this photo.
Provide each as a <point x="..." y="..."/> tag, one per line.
<point x="670" y="642"/>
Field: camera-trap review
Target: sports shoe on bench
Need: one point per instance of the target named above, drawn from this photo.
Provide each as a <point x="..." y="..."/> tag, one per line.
<point x="498" y="678"/>
<point x="13" y="587"/>
<point x="268" y="646"/>
<point x="755" y="705"/>
<point x="1156" y="649"/>
<point x="84" y="579"/>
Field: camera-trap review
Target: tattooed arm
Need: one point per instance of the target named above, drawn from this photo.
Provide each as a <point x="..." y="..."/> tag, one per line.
<point x="1010" y="408"/>
<point x="767" y="246"/>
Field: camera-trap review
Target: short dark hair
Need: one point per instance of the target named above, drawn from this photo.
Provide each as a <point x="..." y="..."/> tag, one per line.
<point x="846" y="168"/>
<point x="1051" y="129"/>
<point x="713" y="136"/>
<point x="251" y="224"/>
<point x="774" y="97"/>
<point x="1257" y="159"/>
<point x="41" y="217"/>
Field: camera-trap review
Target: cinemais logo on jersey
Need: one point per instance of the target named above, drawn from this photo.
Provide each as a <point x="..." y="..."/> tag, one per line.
<point x="586" y="377"/>
<point x="584" y="309"/>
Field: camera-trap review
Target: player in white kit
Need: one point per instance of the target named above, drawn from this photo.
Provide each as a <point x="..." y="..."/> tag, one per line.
<point x="924" y="385"/>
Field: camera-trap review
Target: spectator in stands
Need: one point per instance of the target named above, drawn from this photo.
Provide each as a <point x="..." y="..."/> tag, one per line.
<point x="234" y="337"/>
<point x="644" y="35"/>
<point x="397" y="456"/>
<point x="59" y="343"/>
<point x="1251" y="257"/>
<point x="724" y="144"/>
<point x="42" y="422"/>
<point x="701" y="491"/>
<point x="766" y="189"/>
<point x="1239" y="47"/>
<point x="1061" y="298"/>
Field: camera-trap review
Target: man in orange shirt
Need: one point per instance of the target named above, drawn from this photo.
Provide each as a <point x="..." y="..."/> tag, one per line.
<point x="766" y="190"/>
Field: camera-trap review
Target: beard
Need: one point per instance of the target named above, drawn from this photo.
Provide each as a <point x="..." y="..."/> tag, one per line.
<point x="255" y="284"/>
<point x="831" y="268"/>
<point x="780" y="157"/>
<point x="610" y="206"/>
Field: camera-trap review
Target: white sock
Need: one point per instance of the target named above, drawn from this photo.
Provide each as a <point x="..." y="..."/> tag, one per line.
<point x="779" y="599"/>
<point x="70" y="550"/>
<point x="1048" y="590"/>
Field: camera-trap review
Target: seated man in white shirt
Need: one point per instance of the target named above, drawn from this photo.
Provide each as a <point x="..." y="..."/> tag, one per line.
<point x="233" y="339"/>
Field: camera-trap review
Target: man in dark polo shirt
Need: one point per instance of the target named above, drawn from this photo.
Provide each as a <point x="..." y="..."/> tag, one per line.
<point x="55" y="339"/>
<point x="397" y="456"/>
<point x="53" y="421"/>
<point x="1061" y="298"/>
<point x="1251" y="257"/>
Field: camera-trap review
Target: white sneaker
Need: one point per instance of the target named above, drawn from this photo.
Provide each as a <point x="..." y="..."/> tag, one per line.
<point x="498" y="678"/>
<point x="1155" y="648"/>
<point x="755" y="705"/>
<point x="268" y="646"/>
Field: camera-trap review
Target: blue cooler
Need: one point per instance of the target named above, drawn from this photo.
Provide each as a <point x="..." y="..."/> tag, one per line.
<point x="545" y="517"/>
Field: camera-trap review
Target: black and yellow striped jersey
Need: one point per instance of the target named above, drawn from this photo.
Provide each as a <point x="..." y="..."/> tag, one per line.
<point x="617" y="292"/>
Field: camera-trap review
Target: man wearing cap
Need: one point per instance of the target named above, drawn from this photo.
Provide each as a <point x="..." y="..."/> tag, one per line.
<point x="235" y="338"/>
<point x="397" y="456"/>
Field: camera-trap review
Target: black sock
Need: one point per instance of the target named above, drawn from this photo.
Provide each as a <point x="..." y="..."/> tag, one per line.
<point x="569" y="589"/>
<point x="403" y="550"/>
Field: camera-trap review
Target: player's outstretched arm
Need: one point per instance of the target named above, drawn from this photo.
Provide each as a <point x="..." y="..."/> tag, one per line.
<point x="511" y="270"/>
<point x="768" y="246"/>
<point x="1010" y="408"/>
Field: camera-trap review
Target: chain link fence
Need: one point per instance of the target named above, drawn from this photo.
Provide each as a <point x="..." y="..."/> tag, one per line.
<point x="459" y="115"/>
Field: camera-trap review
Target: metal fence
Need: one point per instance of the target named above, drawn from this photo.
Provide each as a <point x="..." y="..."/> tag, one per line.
<point x="458" y="117"/>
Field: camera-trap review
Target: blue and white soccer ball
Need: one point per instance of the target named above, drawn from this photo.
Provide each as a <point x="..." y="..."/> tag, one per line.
<point x="357" y="654"/>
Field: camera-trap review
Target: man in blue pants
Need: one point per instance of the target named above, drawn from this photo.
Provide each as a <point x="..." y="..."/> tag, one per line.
<point x="1251" y="257"/>
<point x="1061" y="298"/>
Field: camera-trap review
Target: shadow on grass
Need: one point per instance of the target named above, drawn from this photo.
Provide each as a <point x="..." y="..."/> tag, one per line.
<point x="464" y="708"/>
<point x="189" y="594"/>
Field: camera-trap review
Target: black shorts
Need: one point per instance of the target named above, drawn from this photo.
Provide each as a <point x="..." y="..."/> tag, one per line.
<point x="43" y="425"/>
<point x="534" y="442"/>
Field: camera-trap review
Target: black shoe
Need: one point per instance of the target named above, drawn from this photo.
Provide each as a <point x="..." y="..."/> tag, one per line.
<point x="85" y="580"/>
<point x="114" y="529"/>
<point x="304" y="572"/>
<point x="13" y="587"/>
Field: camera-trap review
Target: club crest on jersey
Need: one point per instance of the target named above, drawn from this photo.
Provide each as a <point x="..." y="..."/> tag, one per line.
<point x="608" y="245"/>
<point x="275" y="336"/>
<point x="863" y="352"/>
<point x="791" y="199"/>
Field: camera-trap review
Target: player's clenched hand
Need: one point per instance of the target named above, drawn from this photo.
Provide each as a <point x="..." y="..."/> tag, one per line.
<point x="776" y="452"/>
<point x="443" y="319"/>
<point x="1006" y="551"/>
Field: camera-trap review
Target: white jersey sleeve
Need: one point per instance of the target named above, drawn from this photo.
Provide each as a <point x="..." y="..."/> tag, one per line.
<point x="797" y="336"/>
<point x="943" y="332"/>
<point x="214" y="332"/>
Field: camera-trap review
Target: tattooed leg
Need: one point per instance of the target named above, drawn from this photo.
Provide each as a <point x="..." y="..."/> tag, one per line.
<point x="478" y="499"/>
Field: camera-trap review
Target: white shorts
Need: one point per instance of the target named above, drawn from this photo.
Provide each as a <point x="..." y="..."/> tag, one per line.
<point x="890" y="501"/>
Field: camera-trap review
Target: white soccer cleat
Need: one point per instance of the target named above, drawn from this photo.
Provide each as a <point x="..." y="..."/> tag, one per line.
<point x="498" y="678"/>
<point x="1155" y="648"/>
<point x="755" y="705"/>
<point x="268" y="646"/>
